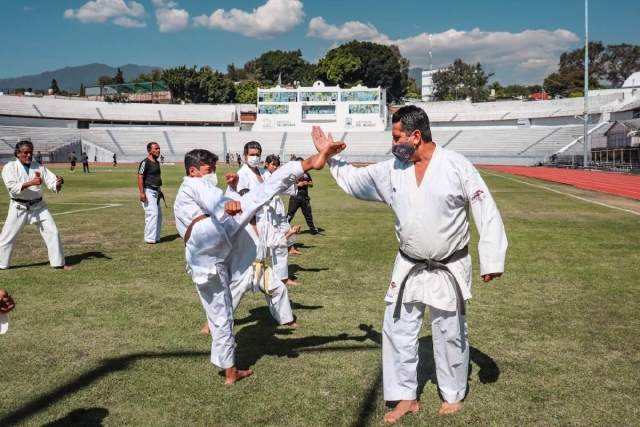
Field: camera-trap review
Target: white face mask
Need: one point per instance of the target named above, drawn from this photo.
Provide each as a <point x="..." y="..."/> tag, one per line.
<point x="253" y="161"/>
<point x="210" y="177"/>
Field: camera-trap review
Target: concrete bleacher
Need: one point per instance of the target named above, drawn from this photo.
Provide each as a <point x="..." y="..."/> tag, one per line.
<point x="34" y="107"/>
<point x="463" y="111"/>
<point x="481" y="144"/>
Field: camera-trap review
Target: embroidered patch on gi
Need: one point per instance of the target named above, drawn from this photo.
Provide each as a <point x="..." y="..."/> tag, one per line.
<point x="394" y="189"/>
<point x="391" y="290"/>
<point x="478" y="195"/>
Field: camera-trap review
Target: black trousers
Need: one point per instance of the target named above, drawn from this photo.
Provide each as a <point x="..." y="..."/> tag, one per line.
<point x="304" y="203"/>
<point x="85" y="167"/>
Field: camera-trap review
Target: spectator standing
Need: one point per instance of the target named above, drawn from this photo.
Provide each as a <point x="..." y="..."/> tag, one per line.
<point x="301" y="200"/>
<point x="73" y="159"/>
<point x="85" y="163"/>
<point x="149" y="183"/>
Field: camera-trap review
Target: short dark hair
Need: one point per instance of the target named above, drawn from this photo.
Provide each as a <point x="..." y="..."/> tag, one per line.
<point x="243" y="191"/>
<point x="252" y="144"/>
<point x="299" y="159"/>
<point x="272" y="158"/>
<point x="151" y="144"/>
<point x="413" y="118"/>
<point x="23" y="143"/>
<point x="199" y="157"/>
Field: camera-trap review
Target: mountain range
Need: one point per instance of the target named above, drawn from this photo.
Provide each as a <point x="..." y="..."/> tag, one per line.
<point x="70" y="78"/>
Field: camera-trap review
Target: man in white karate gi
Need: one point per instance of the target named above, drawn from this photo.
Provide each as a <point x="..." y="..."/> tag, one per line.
<point x="251" y="175"/>
<point x="24" y="179"/>
<point x="209" y="224"/>
<point x="430" y="189"/>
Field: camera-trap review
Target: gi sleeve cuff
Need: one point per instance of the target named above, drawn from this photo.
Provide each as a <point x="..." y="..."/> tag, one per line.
<point x="494" y="267"/>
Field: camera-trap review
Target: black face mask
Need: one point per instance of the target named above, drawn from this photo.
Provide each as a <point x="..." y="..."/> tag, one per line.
<point x="404" y="151"/>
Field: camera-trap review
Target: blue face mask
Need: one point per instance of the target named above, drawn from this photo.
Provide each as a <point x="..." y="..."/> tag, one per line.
<point x="404" y="151"/>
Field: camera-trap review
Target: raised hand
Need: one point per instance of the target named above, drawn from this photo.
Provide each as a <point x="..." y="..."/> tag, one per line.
<point x="232" y="180"/>
<point x="319" y="138"/>
<point x="330" y="149"/>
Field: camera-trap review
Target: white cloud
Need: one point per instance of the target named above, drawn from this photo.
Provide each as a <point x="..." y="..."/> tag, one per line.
<point x="529" y="51"/>
<point x="163" y="4"/>
<point x="172" y="20"/>
<point x="27" y="9"/>
<point x="102" y="10"/>
<point x="348" y="31"/>
<point x="123" y="21"/>
<point x="272" y="18"/>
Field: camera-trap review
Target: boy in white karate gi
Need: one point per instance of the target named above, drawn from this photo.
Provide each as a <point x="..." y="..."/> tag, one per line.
<point x="209" y="224"/>
<point x="431" y="190"/>
<point x="23" y="179"/>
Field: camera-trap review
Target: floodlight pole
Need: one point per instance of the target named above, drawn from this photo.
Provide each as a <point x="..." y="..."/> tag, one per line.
<point x="585" y="141"/>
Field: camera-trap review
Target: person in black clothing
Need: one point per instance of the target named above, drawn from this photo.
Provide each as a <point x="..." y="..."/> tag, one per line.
<point x="149" y="183"/>
<point x="115" y="160"/>
<point x="72" y="159"/>
<point x="302" y="201"/>
<point x="85" y="163"/>
<point x="38" y="157"/>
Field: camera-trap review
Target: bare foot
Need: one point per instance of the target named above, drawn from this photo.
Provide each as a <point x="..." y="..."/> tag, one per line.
<point x="294" y="251"/>
<point x="234" y="375"/>
<point x="449" y="408"/>
<point x="205" y="329"/>
<point x="290" y="282"/>
<point x="403" y="408"/>
<point x="293" y="324"/>
<point x="65" y="267"/>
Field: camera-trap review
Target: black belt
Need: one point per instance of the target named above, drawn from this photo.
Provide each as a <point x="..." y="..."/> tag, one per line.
<point x="432" y="265"/>
<point x="152" y="188"/>
<point x="29" y="203"/>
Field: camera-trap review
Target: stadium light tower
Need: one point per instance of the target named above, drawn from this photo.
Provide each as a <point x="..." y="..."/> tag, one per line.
<point x="585" y="141"/>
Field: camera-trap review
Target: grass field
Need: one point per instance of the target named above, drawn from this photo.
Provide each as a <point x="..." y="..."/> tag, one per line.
<point x="115" y="342"/>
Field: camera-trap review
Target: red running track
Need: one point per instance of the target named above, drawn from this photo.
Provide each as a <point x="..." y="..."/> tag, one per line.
<point x="603" y="182"/>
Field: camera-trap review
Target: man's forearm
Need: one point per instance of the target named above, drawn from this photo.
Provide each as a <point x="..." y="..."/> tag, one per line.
<point x="140" y="184"/>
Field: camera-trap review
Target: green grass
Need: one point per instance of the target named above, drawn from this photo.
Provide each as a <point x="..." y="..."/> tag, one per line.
<point x="554" y="342"/>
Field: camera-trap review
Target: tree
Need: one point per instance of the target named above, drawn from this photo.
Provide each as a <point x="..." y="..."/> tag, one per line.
<point x="183" y="83"/>
<point x="247" y="92"/>
<point x="54" y="87"/>
<point x="413" y="91"/>
<point x="81" y="93"/>
<point x="621" y="60"/>
<point x="119" y="78"/>
<point x="340" y="68"/>
<point x="380" y="67"/>
<point x="105" y="80"/>
<point x="215" y="87"/>
<point x="276" y="64"/>
<point x="460" y="81"/>
<point x="534" y="89"/>
<point x="570" y="75"/>
<point x="516" y="91"/>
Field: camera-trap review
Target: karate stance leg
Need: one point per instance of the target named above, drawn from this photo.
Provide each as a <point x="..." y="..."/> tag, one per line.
<point x="151" y="214"/>
<point x="13" y="226"/>
<point x="279" y="304"/>
<point x="280" y="258"/>
<point x="158" y="222"/>
<point x="400" y="351"/>
<point x="49" y="232"/>
<point x="216" y="301"/>
<point x="451" y="353"/>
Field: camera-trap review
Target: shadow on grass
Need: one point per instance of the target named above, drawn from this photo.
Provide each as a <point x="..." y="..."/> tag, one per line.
<point x="70" y="260"/>
<point x="90" y="417"/>
<point x="107" y="367"/>
<point x="169" y="238"/>
<point x="263" y="338"/>
<point x="295" y="268"/>
<point x="488" y="373"/>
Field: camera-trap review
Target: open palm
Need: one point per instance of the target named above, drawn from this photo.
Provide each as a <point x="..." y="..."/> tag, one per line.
<point x="320" y="140"/>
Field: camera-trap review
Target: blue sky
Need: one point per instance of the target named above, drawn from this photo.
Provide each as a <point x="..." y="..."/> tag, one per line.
<point x="519" y="40"/>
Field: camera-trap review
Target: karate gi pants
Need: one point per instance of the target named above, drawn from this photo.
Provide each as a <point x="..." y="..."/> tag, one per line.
<point x="304" y="203"/>
<point x="400" y="352"/>
<point x="216" y="301"/>
<point x="17" y="219"/>
<point x="152" y="216"/>
<point x="280" y="260"/>
<point x="279" y="304"/>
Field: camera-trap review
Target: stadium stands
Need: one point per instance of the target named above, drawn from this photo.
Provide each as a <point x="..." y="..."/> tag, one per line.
<point x="116" y="112"/>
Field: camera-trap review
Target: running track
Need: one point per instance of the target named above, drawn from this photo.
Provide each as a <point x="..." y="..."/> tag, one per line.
<point x="603" y="182"/>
